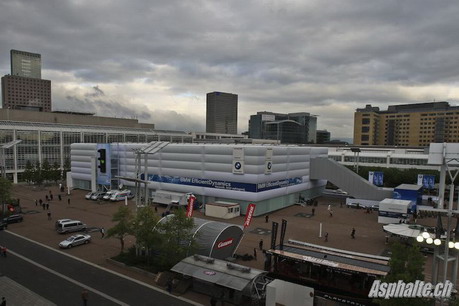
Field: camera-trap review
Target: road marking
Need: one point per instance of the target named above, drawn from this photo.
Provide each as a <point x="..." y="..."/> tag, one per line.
<point x="69" y="279"/>
<point x="105" y="269"/>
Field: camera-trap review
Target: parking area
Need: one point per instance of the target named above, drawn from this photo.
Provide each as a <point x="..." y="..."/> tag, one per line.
<point x="303" y="225"/>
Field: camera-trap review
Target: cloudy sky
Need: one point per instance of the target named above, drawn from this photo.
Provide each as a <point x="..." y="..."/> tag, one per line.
<point x="155" y="60"/>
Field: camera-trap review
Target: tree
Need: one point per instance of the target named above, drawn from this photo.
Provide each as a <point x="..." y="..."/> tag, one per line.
<point x="144" y="230"/>
<point x="37" y="176"/>
<point x="46" y="170"/>
<point x="28" y="172"/>
<point x="55" y="172"/>
<point x="177" y="239"/>
<point x="124" y="226"/>
<point x="406" y="264"/>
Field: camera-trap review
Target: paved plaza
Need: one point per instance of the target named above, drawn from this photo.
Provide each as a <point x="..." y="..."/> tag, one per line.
<point x="302" y="226"/>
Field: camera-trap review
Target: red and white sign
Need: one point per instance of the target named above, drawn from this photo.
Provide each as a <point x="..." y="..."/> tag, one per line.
<point x="249" y="214"/>
<point x="189" y="209"/>
<point x="224" y="243"/>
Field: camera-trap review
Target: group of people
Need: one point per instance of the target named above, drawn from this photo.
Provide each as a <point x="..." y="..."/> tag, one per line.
<point x="2" y="251"/>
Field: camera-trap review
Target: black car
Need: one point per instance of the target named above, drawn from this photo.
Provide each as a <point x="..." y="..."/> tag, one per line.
<point x="13" y="219"/>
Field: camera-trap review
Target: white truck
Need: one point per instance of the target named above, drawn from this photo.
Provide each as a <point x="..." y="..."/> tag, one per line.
<point x="170" y="197"/>
<point x="393" y="211"/>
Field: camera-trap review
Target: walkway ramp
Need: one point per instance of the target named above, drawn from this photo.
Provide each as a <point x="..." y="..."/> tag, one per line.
<point x="347" y="180"/>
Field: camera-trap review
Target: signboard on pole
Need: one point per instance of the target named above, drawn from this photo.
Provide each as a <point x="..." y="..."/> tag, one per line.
<point x="189" y="209"/>
<point x="426" y="181"/>
<point x="376" y="178"/>
<point x="249" y="214"/>
<point x="238" y="160"/>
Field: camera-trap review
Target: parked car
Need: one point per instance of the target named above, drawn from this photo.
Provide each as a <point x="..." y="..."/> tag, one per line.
<point x="74" y="241"/>
<point x="3" y="225"/>
<point x="68" y="226"/>
<point x="122" y="195"/>
<point x="109" y="194"/>
<point x="13" y="219"/>
<point x="98" y="195"/>
<point x="89" y="195"/>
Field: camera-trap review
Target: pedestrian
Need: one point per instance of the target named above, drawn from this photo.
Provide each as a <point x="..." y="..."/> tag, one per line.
<point x="68" y="201"/>
<point x="46" y="198"/>
<point x="156" y="208"/>
<point x="36" y="203"/>
<point x="102" y="232"/>
<point x="84" y="296"/>
<point x="47" y="206"/>
<point x="60" y="186"/>
<point x="353" y="233"/>
<point x="3" y="251"/>
<point x="51" y="196"/>
<point x="260" y="244"/>
<point x="326" y="236"/>
<point x="255" y="253"/>
<point x="40" y="201"/>
<point x="313" y="211"/>
<point x="267" y="218"/>
<point x="44" y="205"/>
<point x="49" y="215"/>
<point x="331" y="213"/>
<point x="60" y="197"/>
<point x="49" y="191"/>
<point x="329" y="207"/>
<point x="3" y="301"/>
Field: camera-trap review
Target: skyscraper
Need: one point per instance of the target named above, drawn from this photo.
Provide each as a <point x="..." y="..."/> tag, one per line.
<point x="24" y="88"/>
<point x="221" y="115"/>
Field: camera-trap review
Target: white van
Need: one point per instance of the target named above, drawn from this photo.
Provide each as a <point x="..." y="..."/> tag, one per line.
<point x="109" y="194"/>
<point x="121" y="195"/>
<point x="70" y="226"/>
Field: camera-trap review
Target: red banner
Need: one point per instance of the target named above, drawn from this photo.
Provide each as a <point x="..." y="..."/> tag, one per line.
<point x="249" y="214"/>
<point x="189" y="209"/>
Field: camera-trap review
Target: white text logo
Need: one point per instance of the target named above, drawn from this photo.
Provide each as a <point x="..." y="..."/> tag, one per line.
<point x="418" y="289"/>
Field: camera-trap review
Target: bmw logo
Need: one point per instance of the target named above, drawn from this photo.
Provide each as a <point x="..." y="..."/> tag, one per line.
<point x="269" y="165"/>
<point x="237" y="165"/>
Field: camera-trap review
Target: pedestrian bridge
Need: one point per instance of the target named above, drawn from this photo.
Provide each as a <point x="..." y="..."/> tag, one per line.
<point x="347" y="180"/>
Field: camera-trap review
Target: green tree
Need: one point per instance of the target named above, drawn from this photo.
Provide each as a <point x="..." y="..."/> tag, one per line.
<point x="67" y="166"/>
<point x="124" y="226"/>
<point x="406" y="264"/>
<point x="37" y="176"/>
<point x="28" y="172"/>
<point x="55" y="172"/>
<point x="46" y="171"/>
<point x="177" y="239"/>
<point x="143" y="229"/>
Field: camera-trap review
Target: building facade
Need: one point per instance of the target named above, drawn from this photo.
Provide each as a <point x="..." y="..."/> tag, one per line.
<point x="323" y="136"/>
<point x="407" y="125"/>
<point x="291" y="128"/>
<point x="221" y="114"/>
<point x="24" y="88"/>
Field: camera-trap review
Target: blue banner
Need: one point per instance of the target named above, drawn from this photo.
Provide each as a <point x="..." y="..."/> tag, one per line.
<point x="376" y="178"/>
<point x="428" y="181"/>
<point x="218" y="184"/>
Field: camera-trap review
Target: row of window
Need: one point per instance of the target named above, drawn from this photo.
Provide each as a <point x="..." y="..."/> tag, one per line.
<point x="380" y="160"/>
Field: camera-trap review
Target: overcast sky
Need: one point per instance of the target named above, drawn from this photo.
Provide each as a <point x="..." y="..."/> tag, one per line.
<point x="155" y="60"/>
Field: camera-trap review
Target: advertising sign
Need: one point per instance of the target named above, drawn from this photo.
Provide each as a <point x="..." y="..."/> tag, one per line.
<point x="249" y="214"/>
<point x="189" y="209"/>
<point x="268" y="160"/>
<point x="376" y="178"/>
<point x="426" y="181"/>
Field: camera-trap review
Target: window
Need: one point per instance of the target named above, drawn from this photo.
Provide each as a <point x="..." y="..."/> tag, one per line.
<point x="365" y="129"/>
<point x="365" y="138"/>
<point x="365" y="121"/>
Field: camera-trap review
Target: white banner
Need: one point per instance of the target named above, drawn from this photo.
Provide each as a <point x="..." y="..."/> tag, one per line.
<point x="268" y="160"/>
<point x="420" y="179"/>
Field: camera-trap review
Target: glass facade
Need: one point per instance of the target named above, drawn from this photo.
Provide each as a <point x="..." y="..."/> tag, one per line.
<point x="27" y="150"/>
<point x="50" y="147"/>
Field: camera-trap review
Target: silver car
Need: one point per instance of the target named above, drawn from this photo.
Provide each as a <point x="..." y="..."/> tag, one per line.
<point x="75" y="240"/>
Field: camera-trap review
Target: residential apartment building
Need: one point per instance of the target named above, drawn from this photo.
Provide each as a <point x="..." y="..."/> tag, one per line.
<point x="221" y="115"/>
<point x="24" y="88"/>
<point x="407" y="125"/>
<point x="291" y="128"/>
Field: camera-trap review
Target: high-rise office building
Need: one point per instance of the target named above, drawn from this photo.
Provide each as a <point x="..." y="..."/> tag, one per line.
<point x="25" y="64"/>
<point x="221" y="115"/>
<point x="292" y="128"/>
<point x="323" y="136"/>
<point x="24" y="88"/>
<point x="407" y="125"/>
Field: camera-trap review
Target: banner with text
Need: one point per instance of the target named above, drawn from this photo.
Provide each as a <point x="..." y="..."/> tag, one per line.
<point x="376" y="178"/>
<point x="249" y="214"/>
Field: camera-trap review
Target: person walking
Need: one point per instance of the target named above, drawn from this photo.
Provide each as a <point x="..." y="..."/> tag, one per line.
<point x="47" y="206"/>
<point x="331" y="213"/>
<point x="267" y="218"/>
<point x="36" y="203"/>
<point x="46" y="198"/>
<point x="44" y="205"/>
<point x="84" y="297"/>
<point x="260" y="244"/>
<point x="255" y="253"/>
<point x="51" y="196"/>
<point x="353" y="233"/>
<point x="313" y="211"/>
<point x="68" y="201"/>
<point x="326" y="237"/>
<point x="102" y="232"/>
<point x="40" y="201"/>
<point x="49" y="215"/>
<point x="60" y="197"/>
